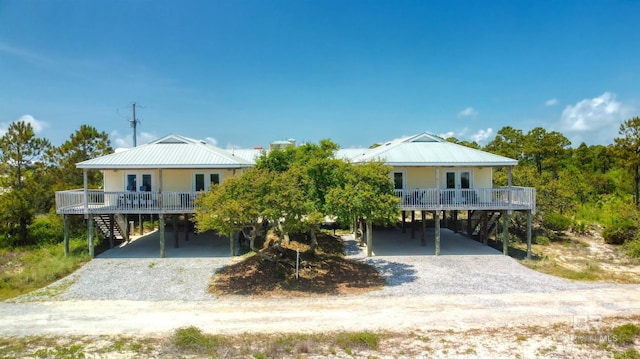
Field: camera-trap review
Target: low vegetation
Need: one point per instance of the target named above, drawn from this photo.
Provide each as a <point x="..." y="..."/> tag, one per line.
<point x="609" y="338"/>
<point x="26" y="269"/>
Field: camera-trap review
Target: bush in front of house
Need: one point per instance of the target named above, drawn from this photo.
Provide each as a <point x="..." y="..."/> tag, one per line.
<point x="46" y="230"/>
<point x="619" y="233"/>
<point x="556" y="222"/>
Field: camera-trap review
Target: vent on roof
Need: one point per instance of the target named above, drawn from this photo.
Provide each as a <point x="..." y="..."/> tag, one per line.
<point x="172" y="139"/>
<point x="425" y="138"/>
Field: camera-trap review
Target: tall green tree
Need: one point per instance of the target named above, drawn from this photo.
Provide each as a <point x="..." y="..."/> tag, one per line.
<point x="234" y="205"/>
<point x="546" y="150"/>
<point x="627" y="147"/>
<point x="508" y="142"/>
<point x="21" y="155"/>
<point x="366" y="192"/>
<point x="84" y="144"/>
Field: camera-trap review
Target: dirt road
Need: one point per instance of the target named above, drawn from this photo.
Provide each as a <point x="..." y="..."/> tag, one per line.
<point x="239" y="314"/>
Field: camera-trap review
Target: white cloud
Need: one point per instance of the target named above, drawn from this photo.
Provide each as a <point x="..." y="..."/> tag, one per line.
<point x="551" y="102"/>
<point x="37" y="125"/>
<point x="482" y="135"/>
<point x="596" y="119"/>
<point x="479" y="136"/>
<point x="468" y="112"/>
<point x="447" y="135"/>
<point x="211" y="141"/>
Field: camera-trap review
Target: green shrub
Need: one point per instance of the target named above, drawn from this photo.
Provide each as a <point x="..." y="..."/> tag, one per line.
<point x="624" y="334"/>
<point x="628" y="354"/>
<point x="46" y="230"/>
<point x="542" y="240"/>
<point x="620" y="232"/>
<point x="367" y="340"/>
<point x="556" y="222"/>
<point x="193" y="340"/>
<point x="633" y="248"/>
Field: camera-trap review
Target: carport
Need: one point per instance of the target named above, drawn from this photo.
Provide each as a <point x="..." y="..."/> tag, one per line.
<point x="392" y="242"/>
<point x="202" y="245"/>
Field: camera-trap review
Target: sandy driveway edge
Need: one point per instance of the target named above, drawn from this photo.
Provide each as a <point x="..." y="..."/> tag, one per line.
<point x="231" y="315"/>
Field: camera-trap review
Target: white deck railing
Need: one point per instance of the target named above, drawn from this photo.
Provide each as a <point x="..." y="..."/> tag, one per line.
<point x="505" y="198"/>
<point x="99" y="202"/>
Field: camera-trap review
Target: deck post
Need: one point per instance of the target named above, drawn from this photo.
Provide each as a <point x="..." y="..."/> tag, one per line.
<point x="65" y="220"/>
<point x="436" y="217"/>
<point x="140" y="219"/>
<point x="369" y="238"/>
<point x="162" y="235"/>
<point x="484" y="227"/>
<point x="413" y="224"/>
<point x="529" y="234"/>
<point x="111" y="234"/>
<point x="505" y="233"/>
<point x="186" y="227"/>
<point x="174" y="220"/>
<point x="404" y="218"/>
<point x="455" y="220"/>
<point x="232" y="244"/>
<point x="91" y="232"/>
<point x="424" y="227"/>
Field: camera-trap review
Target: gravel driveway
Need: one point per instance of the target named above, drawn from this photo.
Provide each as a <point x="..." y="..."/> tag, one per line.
<point x="410" y="269"/>
<point x="469" y="286"/>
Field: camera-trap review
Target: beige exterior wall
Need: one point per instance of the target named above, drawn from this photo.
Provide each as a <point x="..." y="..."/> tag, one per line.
<point x="173" y="180"/>
<point x="426" y="177"/>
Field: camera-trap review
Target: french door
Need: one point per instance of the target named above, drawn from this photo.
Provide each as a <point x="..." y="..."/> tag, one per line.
<point x="458" y="182"/>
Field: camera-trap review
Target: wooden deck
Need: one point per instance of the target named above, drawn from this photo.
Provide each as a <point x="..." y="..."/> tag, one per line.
<point x="99" y="202"/>
<point x="433" y="199"/>
<point x="425" y="199"/>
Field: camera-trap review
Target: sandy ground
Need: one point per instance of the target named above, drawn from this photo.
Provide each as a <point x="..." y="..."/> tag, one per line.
<point x="425" y="313"/>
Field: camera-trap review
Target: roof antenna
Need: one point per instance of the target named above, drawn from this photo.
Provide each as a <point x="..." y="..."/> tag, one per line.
<point x="134" y="122"/>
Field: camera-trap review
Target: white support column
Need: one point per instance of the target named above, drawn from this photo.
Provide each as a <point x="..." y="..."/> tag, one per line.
<point x="85" y="181"/>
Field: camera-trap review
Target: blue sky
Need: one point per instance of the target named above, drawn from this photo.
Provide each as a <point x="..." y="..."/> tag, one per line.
<point x="244" y="73"/>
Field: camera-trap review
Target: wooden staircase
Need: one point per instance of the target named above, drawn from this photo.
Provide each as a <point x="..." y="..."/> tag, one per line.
<point x="102" y="224"/>
<point x="492" y="223"/>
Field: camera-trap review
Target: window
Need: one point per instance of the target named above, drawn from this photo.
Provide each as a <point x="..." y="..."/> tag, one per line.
<point x="131" y="182"/>
<point x="203" y="181"/>
<point x="144" y="180"/>
<point x="398" y="180"/>
<point x="214" y="178"/>
<point x="146" y="183"/>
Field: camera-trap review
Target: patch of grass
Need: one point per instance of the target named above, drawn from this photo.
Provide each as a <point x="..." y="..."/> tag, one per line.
<point x="631" y="353"/>
<point x="23" y="270"/>
<point x="625" y="334"/>
<point x="591" y="271"/>
<point x="365" y="340"/>
<point x="74" y="351"/>
<point x="192" y="340"/>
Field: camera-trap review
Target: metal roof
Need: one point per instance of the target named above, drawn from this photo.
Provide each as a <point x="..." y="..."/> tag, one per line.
<point x="425" y="149"/>
<point x="174" y="151"/>
<point x="171" y="151"/>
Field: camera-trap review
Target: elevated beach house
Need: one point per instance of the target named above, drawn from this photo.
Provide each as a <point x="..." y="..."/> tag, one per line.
<point x="162" y="178"/>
